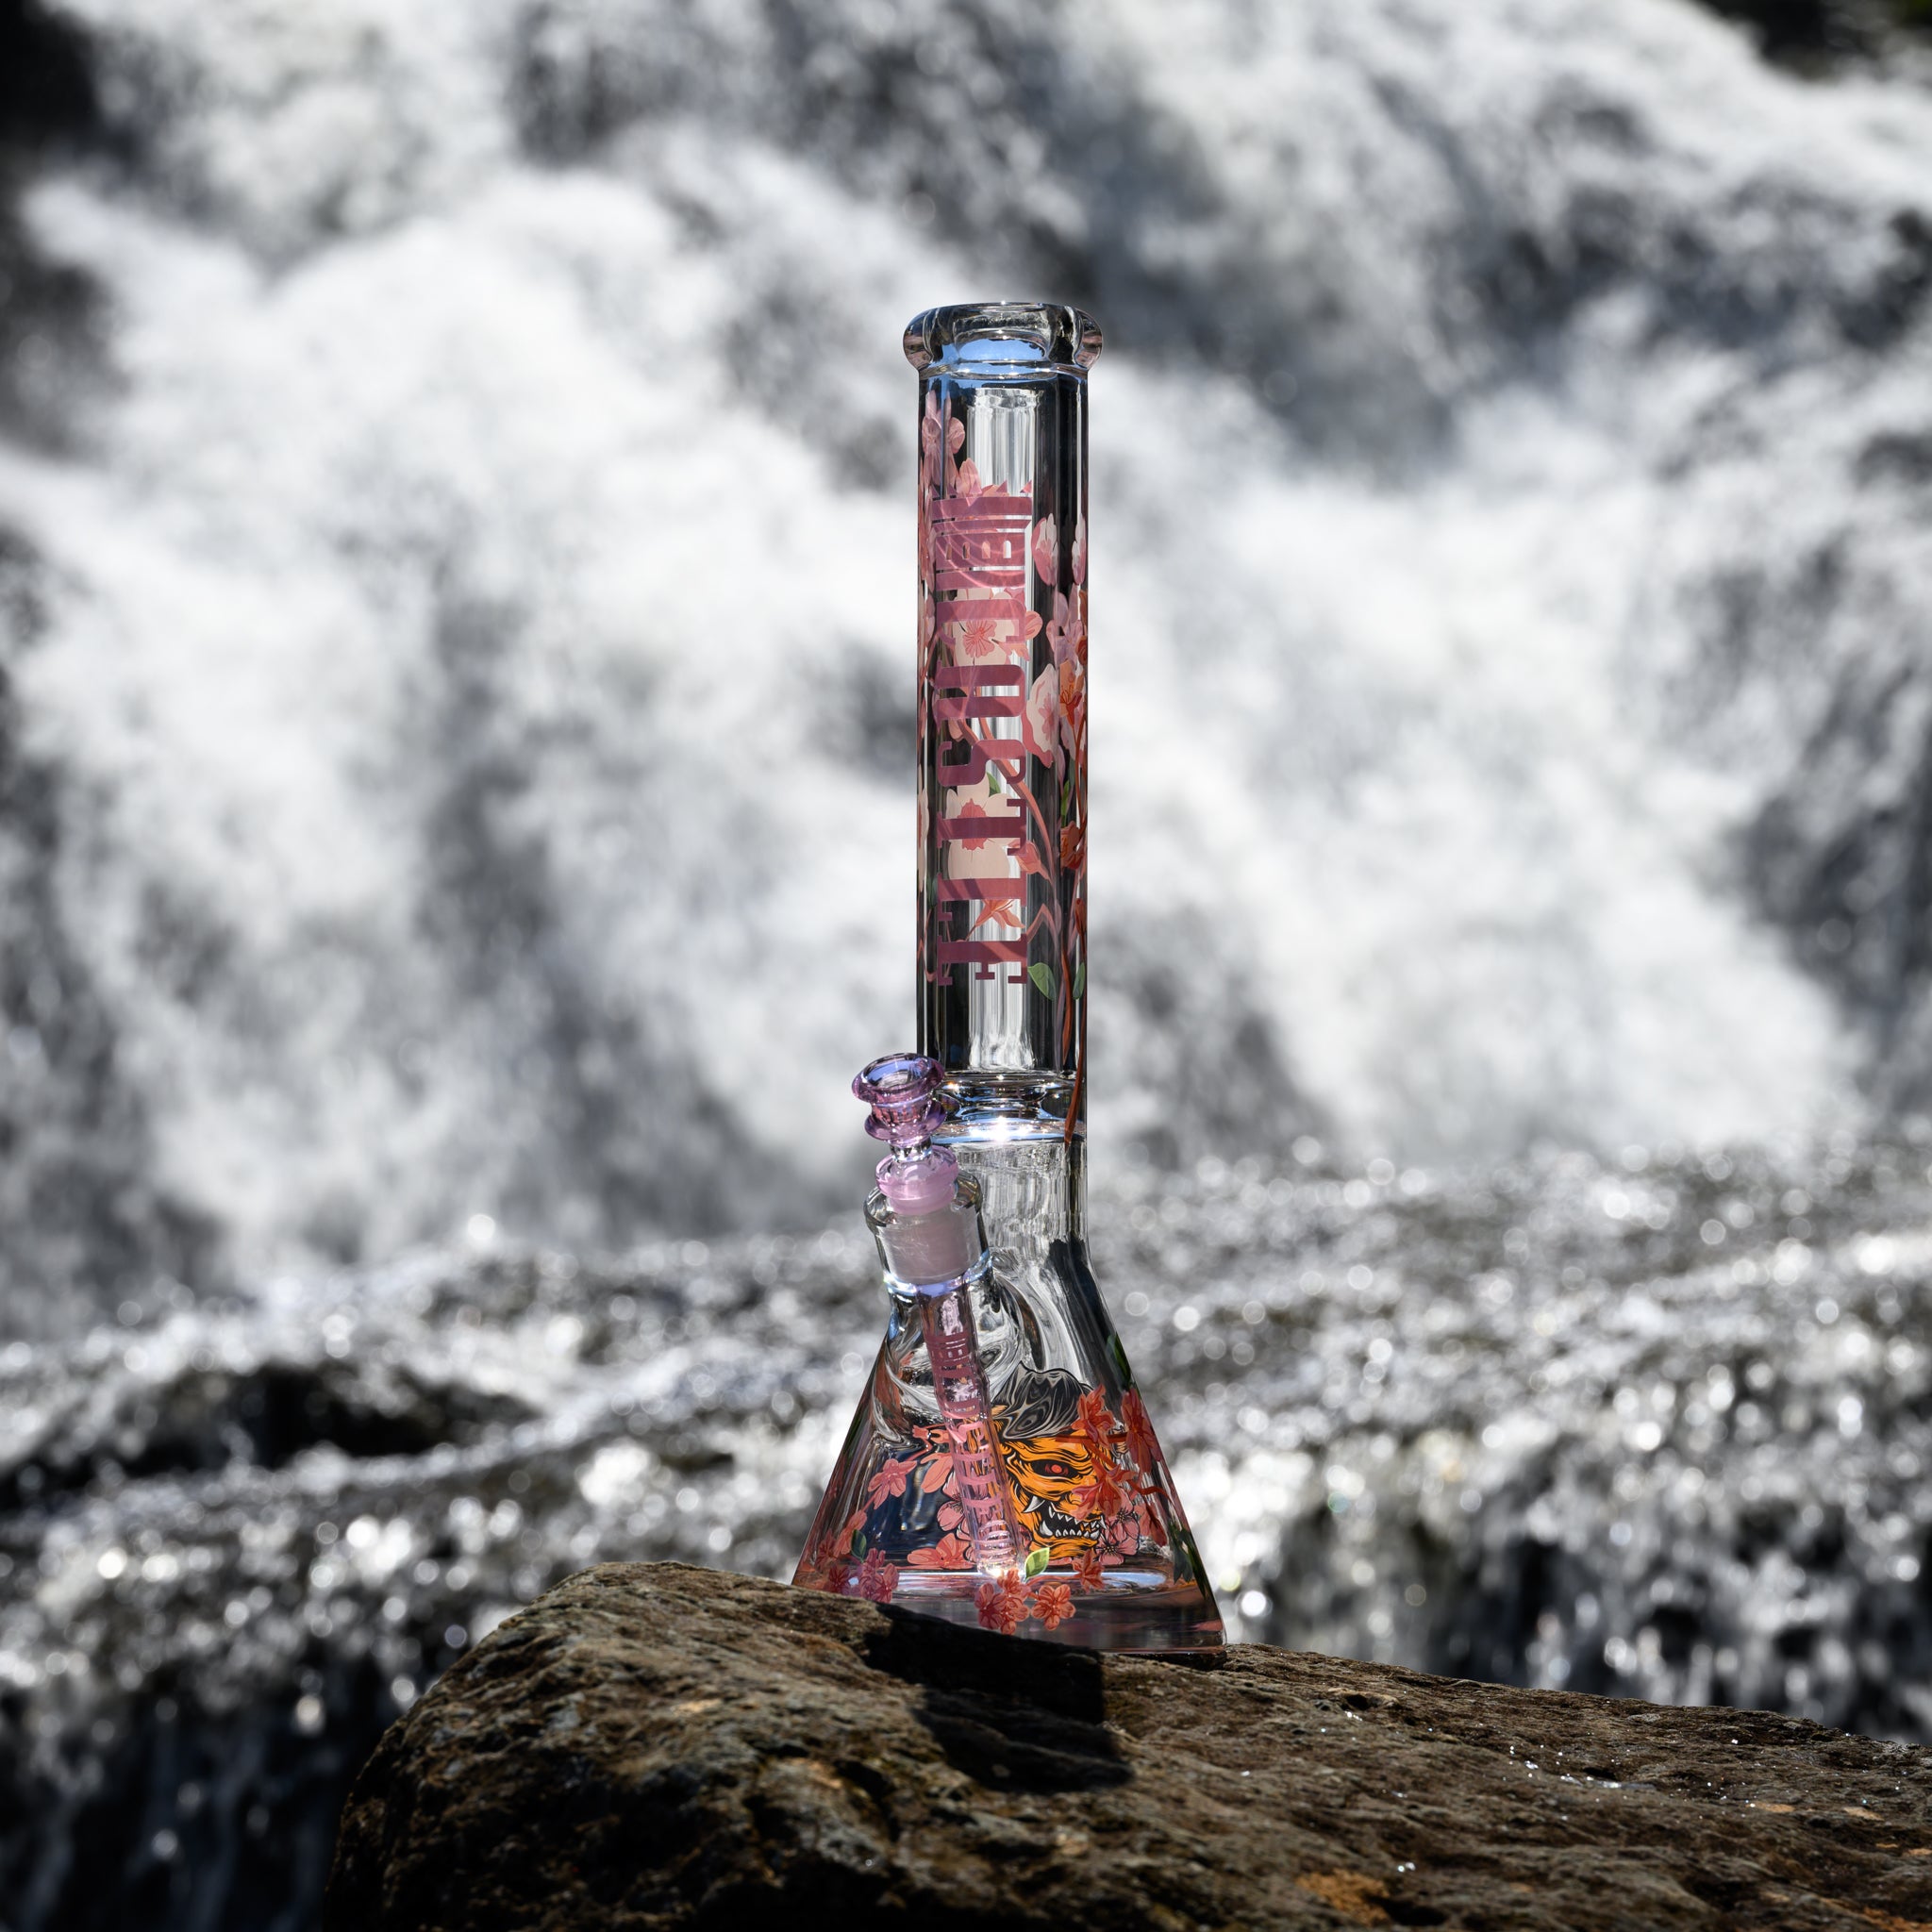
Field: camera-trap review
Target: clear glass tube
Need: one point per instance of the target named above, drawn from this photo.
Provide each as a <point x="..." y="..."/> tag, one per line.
<point x="1003" y="702"/>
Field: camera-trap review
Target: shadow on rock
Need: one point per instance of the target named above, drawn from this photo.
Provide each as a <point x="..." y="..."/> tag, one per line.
<point x="1014" y="1717"/>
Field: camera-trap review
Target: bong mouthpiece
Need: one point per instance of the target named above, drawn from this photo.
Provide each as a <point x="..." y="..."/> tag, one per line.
<point x="915" y="1176"/>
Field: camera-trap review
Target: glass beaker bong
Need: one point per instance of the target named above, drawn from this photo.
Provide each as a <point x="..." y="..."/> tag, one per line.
<point x="1089" y="1543"/>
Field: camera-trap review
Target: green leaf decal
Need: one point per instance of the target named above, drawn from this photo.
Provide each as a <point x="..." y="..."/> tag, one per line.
<point x="1080" y="980"/>
<point x="1120" y="1362"/>
<point x="858" y="1544"/>
<point x="1187" y="1559"/>
<point x="992" y="782"/>
<point x="1042" y="975"/>
<point x="1038" y="1560"/>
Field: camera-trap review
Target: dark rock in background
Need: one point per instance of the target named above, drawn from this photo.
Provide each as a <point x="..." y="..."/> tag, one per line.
<point x="660" y="1746"/>
<point x="1818" y="35"/>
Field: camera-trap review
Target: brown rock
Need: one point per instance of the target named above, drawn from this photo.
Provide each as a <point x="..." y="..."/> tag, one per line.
<point x="653" y="1746"/>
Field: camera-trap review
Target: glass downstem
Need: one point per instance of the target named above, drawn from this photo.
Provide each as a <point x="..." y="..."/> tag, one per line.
<point x="960" y="1384"/>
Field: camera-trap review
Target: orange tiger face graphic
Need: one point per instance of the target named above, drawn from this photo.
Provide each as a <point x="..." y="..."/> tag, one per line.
<point x="1047" y="1459"/>
<point x="1044" y="1471"/>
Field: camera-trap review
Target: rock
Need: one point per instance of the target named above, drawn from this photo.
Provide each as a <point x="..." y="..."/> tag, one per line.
<point x="656" y="1747"/>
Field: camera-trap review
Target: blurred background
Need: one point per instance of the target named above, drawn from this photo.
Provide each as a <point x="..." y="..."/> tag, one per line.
<point x="456" y="831"/>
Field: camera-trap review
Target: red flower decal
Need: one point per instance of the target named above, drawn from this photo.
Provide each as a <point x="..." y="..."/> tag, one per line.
<point x="1053" y="1603"/>
<point x="1003" y="911"/>
<point x="1073" y="848"/>
<point x="1095" y="1421"/>
<point x="1141" y="1445"/>
<point x="969" y="809"/>
<point x="1073" y="707"/>
<point x="1089" y="1570"/>
<point x="1104" y="1496"/>
<point x="838" y="1545"/>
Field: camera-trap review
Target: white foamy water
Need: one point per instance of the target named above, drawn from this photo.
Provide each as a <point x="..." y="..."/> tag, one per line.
<point x="474" y="643"/>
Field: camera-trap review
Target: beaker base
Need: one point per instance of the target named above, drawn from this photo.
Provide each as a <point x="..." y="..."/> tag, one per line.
<point x="1130" y="1613"/>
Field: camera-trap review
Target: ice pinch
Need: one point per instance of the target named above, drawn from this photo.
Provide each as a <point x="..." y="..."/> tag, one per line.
<point x="1002" y="974"/>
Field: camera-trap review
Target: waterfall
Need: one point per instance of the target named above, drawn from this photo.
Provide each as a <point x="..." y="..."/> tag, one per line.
<point x="458" y="615"/>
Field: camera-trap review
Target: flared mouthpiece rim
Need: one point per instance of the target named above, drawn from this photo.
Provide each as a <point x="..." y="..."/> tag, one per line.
<point x="1004" y="339"/>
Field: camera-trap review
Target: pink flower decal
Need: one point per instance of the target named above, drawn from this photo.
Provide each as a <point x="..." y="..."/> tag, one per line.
<point x="1067" y="633"/>
<point x="890" y="1480"/>
<point x="1080" y="551"/>
<point x="1046" y="550"/>
<point x="949" y="1553"/>
<point x="1003" y="1605"/>
<point x="1053" y="1603"/>
<point x="979" y="637"/>
<point x="1123" y="1527"/>
<point x="1040" y="719"/>
<point x="969" y="484"/>
<point x="1029" y="860"/>
<point x="971" y="802"/>
<point x="877" y="1578"/>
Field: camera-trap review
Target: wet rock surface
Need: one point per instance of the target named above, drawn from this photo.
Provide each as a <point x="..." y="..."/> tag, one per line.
<point x="657" y="1745"/>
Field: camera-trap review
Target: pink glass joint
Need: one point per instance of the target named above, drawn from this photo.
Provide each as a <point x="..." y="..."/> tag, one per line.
<point x="916" y="1177"/>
